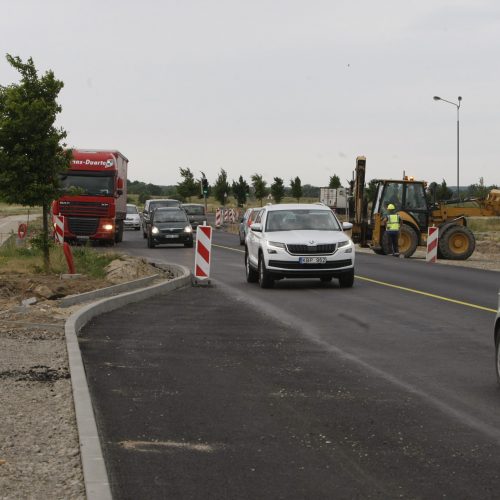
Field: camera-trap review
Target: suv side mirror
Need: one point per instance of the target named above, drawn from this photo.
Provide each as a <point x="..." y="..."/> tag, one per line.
<point x="256" y="226"/>
<point x="346" y="226"/>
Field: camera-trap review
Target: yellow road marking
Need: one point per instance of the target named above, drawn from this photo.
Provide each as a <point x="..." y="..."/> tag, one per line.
<point x="398" y="287"/>
<point x="427" y="294"/>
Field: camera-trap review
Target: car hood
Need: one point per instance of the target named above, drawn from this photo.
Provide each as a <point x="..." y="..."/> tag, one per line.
<point x="306" y="237"/>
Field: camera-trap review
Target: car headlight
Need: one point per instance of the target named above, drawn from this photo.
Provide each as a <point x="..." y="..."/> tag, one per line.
<point x="155" y="230"/>
<point x="107" y="227"/>
<point x="274" y="245"/>
<point x="188" y="229"/>
<point x="344" y="244"/>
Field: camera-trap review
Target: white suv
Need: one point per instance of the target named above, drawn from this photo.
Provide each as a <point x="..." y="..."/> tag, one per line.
<point x="298" y="241"/>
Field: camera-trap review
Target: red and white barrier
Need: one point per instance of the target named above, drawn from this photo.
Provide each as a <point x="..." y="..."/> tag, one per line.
<point x="59" y="228"/>
<point x="233" y="215"/>
<point x="226" y="214"/>
<point x="218" y="217"/>
<point x="432" y="244"/>
<point x="203" y="252"/>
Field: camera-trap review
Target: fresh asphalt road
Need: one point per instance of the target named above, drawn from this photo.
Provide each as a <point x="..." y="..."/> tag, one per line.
<point x="303" y="391"/>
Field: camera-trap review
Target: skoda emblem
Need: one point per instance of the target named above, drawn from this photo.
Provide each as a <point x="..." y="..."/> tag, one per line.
<point x="311" y="242"/>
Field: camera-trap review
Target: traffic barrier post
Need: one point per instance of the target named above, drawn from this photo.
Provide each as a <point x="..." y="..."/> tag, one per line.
<point x="432" y="244"/>
<point x="203" y="253"/>
<point x="218" y="217"/>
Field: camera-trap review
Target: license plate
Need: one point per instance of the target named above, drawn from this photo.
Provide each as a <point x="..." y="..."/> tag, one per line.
<point x="171" y="236"/>
<point x="312" y="260"/>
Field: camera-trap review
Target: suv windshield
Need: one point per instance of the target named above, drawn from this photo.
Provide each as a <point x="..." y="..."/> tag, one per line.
<point x="170" y="216"/>
<point x="153" y="205"/>
<point x="301" y="219"/>
<point x="131" y="209"/>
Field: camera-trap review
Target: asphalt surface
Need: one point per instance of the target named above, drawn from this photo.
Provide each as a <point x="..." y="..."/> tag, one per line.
<point x="302" y="391"/>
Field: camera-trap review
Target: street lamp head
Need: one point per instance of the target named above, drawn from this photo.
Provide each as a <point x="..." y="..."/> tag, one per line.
<point x="436" y="98"/>
<point x="459" y="98"/>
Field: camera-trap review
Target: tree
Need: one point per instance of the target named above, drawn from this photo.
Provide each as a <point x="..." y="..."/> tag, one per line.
<point x="296" y="186"/>
<point x="278" y="189"/>
<point x="260" y="187"/>
<point x="31" y="154"/>
<point x="221" y="187"/>
<point x="371" y="190"/>
<point x="240" y="191"/>
<point x="334" y="182"/>
<point x="443" y="192"/>
<point x="188" y="186"/>
<point x="478" y="190"/>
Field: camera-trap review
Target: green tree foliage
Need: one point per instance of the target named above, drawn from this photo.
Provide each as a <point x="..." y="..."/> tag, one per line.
<point x="189" y="186"/>
<point x="240" y="191"/>
<point x="479" y="190"/>
<point x="31" y="153"/>
<point x="221" y="187"/>
<point x="296" y="186"/>
<point x="278" y="189"/>
<point x="334" y="182"/>
<point x="371" y="190"/>
<point x="260" y="187"/>
<point x="443" y="192"/>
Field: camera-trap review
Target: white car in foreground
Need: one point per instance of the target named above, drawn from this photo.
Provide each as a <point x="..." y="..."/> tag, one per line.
<point x="298" y="241"/>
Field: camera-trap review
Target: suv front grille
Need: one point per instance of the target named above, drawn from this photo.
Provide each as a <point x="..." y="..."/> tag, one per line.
<point x="311" y="250"/>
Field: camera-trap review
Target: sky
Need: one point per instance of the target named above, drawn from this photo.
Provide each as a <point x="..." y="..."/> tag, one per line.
<point x="281" y="88"/>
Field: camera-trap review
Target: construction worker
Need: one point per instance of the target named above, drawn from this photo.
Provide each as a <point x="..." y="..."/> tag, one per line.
<point x="392" y="229"/>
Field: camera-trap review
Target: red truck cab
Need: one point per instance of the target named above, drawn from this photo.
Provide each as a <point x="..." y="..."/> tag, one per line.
<point x="94" y="199"/>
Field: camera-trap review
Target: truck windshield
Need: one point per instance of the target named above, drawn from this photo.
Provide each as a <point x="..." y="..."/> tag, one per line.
<point x="87" y="185"/>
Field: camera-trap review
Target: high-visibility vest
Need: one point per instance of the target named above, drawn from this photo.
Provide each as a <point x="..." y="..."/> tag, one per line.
<point x="393" y="222"/>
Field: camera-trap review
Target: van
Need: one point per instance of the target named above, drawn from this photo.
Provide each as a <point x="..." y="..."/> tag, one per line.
<point x="196" y="214"/>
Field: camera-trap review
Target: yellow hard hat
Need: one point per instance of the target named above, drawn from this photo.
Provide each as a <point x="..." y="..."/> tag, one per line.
<point x="390" y="206"/>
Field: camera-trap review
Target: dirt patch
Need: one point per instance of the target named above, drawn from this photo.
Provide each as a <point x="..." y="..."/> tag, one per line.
<point x="39" y="447"/>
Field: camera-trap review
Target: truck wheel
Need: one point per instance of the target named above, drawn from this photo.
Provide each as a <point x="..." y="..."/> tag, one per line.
<point x="408" y="241"/>
<point x="119" y="231"/>
<point x="457" y="243"/>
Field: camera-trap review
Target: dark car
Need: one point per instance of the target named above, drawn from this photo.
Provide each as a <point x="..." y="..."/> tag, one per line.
<point x="196" y="214"/>
<point x="169" y="225"/>
<point x="150" y="206"/>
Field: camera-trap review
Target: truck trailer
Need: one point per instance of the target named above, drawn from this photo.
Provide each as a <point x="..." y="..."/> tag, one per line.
<point x="94" y="196"/>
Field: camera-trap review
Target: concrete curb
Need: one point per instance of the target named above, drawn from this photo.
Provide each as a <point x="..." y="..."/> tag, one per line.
<point x="94" y="469"/>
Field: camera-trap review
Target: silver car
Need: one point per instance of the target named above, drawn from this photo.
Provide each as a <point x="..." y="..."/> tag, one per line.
<point x="497" y="340"/>
<point x="133" y="219"/>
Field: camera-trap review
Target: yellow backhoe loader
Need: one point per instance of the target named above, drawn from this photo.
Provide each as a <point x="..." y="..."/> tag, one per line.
<point x="456" y="241"/>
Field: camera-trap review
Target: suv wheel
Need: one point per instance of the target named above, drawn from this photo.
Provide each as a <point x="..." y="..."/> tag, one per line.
<point x="265" y="280"/>
<point x="347" y="280"/>
<point x="251" y="274"/>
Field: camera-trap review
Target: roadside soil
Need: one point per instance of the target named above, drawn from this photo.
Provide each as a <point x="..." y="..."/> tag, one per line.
<point x="39" y="448"/>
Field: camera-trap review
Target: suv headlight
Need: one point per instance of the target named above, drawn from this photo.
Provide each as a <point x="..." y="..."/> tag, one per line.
<point x="188" y="229"/>
<point x="348" y="244"/>
<point x="273" y="246"/>
<point x="155" y="230"/>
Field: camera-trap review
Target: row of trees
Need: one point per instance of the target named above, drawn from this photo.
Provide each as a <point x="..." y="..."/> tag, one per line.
<point x="258" y="189"/>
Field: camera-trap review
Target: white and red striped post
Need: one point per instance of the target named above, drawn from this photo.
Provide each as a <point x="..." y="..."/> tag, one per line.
<point x="203" y="253"/>
<point x="226" y="215"/>
<point x="218" y="217"/>
<point x="59" y="228"/>
<point x="432" y="244"/>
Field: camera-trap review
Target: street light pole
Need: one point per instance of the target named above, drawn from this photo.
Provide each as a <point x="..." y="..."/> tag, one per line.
<point x="457" y="105"/>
